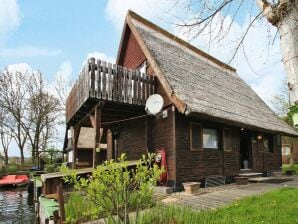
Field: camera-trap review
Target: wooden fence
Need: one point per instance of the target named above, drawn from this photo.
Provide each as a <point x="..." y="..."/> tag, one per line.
<point x="109" y="82"/>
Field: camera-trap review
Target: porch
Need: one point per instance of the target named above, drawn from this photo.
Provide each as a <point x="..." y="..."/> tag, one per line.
<point x="104" y="98"/>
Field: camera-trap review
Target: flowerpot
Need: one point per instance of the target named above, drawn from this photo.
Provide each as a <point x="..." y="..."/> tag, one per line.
<point x="191" y="187"/>
<point x="241" y="180"/>
<point x="290" y="172"/>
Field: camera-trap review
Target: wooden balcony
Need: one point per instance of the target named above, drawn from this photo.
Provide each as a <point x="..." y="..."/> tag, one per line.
<point x="102" y="81"/>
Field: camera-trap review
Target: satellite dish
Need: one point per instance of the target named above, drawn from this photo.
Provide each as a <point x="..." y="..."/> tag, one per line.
<point x="154" y="104"/>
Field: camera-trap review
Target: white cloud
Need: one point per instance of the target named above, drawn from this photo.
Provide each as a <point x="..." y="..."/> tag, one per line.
<point x="65" y="71"/>
<point x="29" y="51"/>
<point x="98" y="55"/>
<point x="101" y="56"/>
<point x="10" y="19"/>
<point x="154" y="10"/>
<point x="20" y="67"/>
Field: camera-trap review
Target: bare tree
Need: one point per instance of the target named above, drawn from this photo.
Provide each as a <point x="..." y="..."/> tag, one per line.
<point x="42" y="114"/>
<point x="13" y="101"/>
<point x="283" y="14"/>
<point x="5" y="136"/>
<point x="32" y="111"/>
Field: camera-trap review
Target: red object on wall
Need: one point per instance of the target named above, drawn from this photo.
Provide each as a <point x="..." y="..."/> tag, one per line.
<point x="161" y="161"/>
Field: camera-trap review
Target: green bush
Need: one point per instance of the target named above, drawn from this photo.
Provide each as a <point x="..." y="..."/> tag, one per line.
<point x="51" y="168"/>
<point x="2" y="171"/>
<point x="117" y="190"/>
<point x="12" y="168"/>
<point x="79" y="209"/>
<point x="290" y="168"/>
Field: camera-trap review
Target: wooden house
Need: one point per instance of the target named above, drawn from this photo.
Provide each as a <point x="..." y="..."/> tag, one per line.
<point x="212" y="122"/>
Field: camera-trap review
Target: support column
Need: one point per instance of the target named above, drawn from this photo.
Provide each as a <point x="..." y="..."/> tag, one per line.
<point x="96" y="126"/>
<point x="75" y="137"/>
<point x="109" y="145"/>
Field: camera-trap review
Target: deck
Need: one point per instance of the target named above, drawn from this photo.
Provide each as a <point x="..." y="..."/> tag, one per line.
<point x="107" y="82"/>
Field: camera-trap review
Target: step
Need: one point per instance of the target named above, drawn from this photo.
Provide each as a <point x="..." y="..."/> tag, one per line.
<point x="250" y="175"/>
<point x="246" y="170"/>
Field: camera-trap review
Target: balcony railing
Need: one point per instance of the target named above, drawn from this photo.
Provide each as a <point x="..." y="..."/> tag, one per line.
<point x="108" y="82"/>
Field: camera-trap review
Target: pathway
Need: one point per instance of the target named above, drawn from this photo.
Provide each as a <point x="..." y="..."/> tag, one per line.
<point x="226" y="195"/>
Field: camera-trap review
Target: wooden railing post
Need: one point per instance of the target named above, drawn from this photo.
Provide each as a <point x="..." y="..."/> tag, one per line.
<point x="96" y="133"/>
<point x="61" y="203"/>
<point x="92" y="67"/>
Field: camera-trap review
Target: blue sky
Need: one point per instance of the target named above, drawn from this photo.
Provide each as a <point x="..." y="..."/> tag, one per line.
<point x="56" y="36"/>
<point x="64" y="30"/>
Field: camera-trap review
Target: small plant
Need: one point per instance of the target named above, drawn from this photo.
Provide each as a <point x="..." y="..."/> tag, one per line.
<point x="118" y="190"/>
<point x="289" y="170"/>
<point x="79" y="209"/>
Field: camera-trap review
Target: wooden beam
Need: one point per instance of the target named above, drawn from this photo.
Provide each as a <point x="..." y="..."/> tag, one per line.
<point x="61" y="202"/>
<point x="109" y="145"/>
<point x="75" y="138"/>
<point x="96" y="126"/>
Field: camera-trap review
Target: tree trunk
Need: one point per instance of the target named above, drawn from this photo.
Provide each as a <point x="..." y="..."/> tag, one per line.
<point x="6" y="159"/>
<point x="284" y="16"/>
<point x="288" y="30"/>
<point x="22" y="156"/>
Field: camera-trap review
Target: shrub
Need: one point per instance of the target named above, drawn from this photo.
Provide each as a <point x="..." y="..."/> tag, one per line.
<point x="118" y="190"/>
<point x="51" y="168"/>
<point x="12" y="168"/>
<point x="79" y="209"/>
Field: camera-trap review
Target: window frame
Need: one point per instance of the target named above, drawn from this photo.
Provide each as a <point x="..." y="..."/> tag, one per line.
<point x="219" y="133"/>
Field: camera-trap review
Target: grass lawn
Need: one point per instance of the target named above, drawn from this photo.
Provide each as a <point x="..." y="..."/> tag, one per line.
<point x="278" y="207"/>
<point x="289" y="167"/>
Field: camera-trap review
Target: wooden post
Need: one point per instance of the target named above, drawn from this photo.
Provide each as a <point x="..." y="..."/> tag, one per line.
<point x="75" y="138"/>
<point x="96" y="133"/>
<point x="61" y="202"/>
<point x="109" y="145"/>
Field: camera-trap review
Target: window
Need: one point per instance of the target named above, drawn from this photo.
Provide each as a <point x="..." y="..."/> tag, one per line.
<point x="195" y="136"/>
<point x="265" y="143"/>
<point x="210" y="138"/>
<point x="143" y="67"/>
<point x="203" y="138"/>
<point x="286" y="150"/>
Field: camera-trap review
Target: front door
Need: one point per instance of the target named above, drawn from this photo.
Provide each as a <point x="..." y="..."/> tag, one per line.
<point x="245" y="150"/>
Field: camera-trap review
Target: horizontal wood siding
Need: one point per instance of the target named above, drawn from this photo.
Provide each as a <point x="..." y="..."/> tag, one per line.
<point x="196" y="165"/>
<point x="132" y="140"/>
<point x="133" y="57"/>
<point x="163" y="136"/>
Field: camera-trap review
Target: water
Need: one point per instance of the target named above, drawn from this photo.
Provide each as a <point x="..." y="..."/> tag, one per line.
<point x="16" y="206"/>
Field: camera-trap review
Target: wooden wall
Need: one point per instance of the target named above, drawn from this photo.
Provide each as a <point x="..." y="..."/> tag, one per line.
<point x="163" y="135"/>
<point x="132" y="140"/>
<point x="266" y="161"/>
<point x="160" y="132"/>
<point x="196" y="165"/>
<point x="132" y="57"/>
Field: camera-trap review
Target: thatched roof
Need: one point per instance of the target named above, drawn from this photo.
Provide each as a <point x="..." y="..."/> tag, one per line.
<point x="206" y="86"/>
